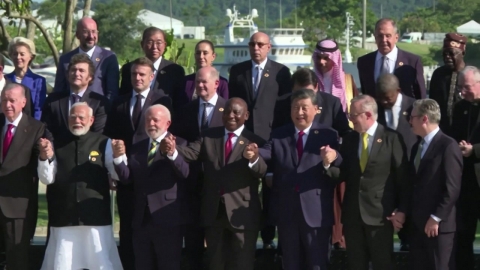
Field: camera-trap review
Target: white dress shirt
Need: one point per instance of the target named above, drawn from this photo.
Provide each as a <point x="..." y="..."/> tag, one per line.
<point x="327" y="82"/>
<point x="89" y="53"/>
<point x="80" y="94"/>
<point x="371" y="135"/>
<point x="123" y="158"/>
<point x="211" y="105"/>
<point x="427" y="140"/>
<point x="392" y="59"/>
<point x="305" y="136"/>
<point x="3" y="82"/>
<point x="14" y="123"/>
<point x="133" y="100"/>
<point x="255" y="72"/>
<point x="392" y="115"/>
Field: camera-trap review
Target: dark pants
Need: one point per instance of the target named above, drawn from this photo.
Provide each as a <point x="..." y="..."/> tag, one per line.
<point x="304" y="247"/>
<point x="432" y="253"/>
<point x="16" y="233"/>
<point x="229" y="248"/>
<point x="268" y="231"/>
<point x="156" y="247"/>
<point x="367" y="243"/>
<point x="468" y="215"/>
<point x="125" y="199"/>
<point x="406" y="232"/>
<point x="194" y="244"/>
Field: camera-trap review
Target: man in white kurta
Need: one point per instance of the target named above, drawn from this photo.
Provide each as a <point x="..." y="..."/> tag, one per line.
<point x="77" y="174"/>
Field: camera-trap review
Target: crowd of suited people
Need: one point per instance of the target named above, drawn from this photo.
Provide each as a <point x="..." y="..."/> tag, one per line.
<point x="206" y="163"/>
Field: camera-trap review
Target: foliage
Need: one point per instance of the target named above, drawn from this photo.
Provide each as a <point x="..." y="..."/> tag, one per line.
<point x="174" y="52"/>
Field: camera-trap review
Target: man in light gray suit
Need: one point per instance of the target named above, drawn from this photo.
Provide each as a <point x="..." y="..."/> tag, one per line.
<point x="107" y="73"/>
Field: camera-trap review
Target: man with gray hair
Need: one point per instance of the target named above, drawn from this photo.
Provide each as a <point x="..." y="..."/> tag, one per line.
<point x="160" y="190"/>
<point x="390" y="59"/>
<point x="77" y="174"/>
<point x="465" y="130"/>
<point x="374" y="169"/>
<point x="436" y="169"/>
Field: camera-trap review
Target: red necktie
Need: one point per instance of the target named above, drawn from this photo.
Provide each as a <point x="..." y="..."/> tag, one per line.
<point x="7" y="140"/>
<point x="228" y="146"/>
<point x="299" y="151"/>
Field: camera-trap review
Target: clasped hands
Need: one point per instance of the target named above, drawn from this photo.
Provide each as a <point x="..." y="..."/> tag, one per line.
<point x="251" y="152"/>
<point x="168" y="145"/>
<point x="466" y="148"/>
<point x="46" y="149"/>
<point x="328" y="155"/>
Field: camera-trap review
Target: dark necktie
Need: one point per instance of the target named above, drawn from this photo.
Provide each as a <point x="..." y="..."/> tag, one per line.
<point x="204" y="124"/>
<point x="300" y="145"/>
<point x="137" y="111"/>
<point x="418" y="156"/>
<point x="228" y="146"/>
<point x="7" y="140"/>
<point x="75" y="98"/>
<point x="152" y="152"/>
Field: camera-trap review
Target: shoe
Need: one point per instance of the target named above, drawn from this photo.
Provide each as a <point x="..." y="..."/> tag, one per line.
<point x="404" y="247"/>
<point x="337" y="246"/>
<point x="268" y="245"/>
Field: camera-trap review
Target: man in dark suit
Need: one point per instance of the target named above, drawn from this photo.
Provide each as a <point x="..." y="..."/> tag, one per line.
<point x="231" y="208"/>
<point x="374" y="169"/>
<point x="19" y="157"/>
<point x="169" y="77"/>
<point x="300" y="187"/>
<point x="390" y="59"/>
<point x="126" y="122"/>
<point x="160" y="204"/>
<point x="466" y="131"/>
<point x="106" y="75"/>
<point x="198" y="115"/>
<point x="56" y="110"/>
<point x="260" y="81"/>
<point x="436" y="168"/>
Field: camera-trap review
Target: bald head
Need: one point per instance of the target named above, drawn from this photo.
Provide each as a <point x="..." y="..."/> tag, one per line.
<point x="388" y="88"/>
<point x="87" y="33"/>
<point x="259" y="47"/>
<point x="206" y="83"/>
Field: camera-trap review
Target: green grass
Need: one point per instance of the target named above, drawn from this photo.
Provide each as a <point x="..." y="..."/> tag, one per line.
<point x="418" y="49"/>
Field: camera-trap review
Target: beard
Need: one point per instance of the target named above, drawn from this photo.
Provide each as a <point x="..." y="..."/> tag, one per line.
<point x="79" y="130"/>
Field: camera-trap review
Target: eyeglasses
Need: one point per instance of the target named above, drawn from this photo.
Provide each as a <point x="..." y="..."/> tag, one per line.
<point x="351" y="115"/>
<point x="93" y="32"/>
<point x="415" y="116"/>
<point x="259" y="44"/>
<point x="157" y="43"/>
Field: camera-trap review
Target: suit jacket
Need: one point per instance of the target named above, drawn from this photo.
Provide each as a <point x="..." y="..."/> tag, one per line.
<point x="403" y="127"/>
<point x="105" y="80"/>
<point x="382" y="187"/>
<point x="436" y="184"/>
<point x="189" y="85"/>
<point x="330" y="113"/>
<point x="38" y="90"/>
<point x="408" y="69"/>
<point x="28" y="109"/>
<point x="161" y="187"/>
<point x="439" y="91"/>
<point x="56" y="112"/>
<point x="185" y="123"/>
<point x="236" y="179"/>
<point x="19" y="167"/>
<point x="314" y="185"/>
<point x="169" y="81"/>
<point x="274" y="83"/>
<point x="119" y="123"/>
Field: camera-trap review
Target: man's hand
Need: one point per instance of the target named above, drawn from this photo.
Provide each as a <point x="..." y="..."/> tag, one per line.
<point x="118" y="147"/>
<point x="251" y="152"/>
<point x="328" y="155"/>
<point x="431" y="228"/>
<point x="466" y="148"/>
<point x="397" y="219"/>
<point x="46" y="149"/>
<point x="168" y="145"/>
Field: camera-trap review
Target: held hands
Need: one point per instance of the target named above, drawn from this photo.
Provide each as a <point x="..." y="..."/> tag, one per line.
<point x="466" y="148"/>
<point x="251" y="152"/>
<point x="431" y="228"/>
<point x="328" y="155"/>
<point x="46" y="149"/>
<point x="397" y="219"/>
<point x="168" y="145"/>
<point x="118" y="147"/>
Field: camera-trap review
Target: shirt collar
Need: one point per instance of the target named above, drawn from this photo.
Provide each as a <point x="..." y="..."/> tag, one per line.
<point x="372" y="129"/>
<point x="89" y="53"/>
<point x="156" y="64"/>
<point x="212" y="101"/>
<point x="159" y="139"/>
<point x="80" y="94"/>
<point x="15" y="122"/>
<point x="398" y="103"/>
<point x="391" y="55"/>
<point x="428" y="139"/>
<point x="305" y="131"/>
<point x="262" y="64"/>
<point x="237" y="132"/>
<point x="143" y="93"/>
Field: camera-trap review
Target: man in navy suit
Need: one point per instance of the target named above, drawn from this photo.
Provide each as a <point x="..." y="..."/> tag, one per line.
<point x="107" y="73"/>
<point x="390" y="59"/>
<point x="160" y="194"/>
<point x="302" y="194"/>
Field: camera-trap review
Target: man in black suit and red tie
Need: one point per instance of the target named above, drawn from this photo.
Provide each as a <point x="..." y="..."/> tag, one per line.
<point x="436" y="168"/>
<point x="390" y="59"/>
<point x="126" y="122"/>
<point x="19" y="153"/>
<point x="260" y="81"/>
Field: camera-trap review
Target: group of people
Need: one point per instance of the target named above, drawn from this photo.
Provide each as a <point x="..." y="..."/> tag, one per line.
<point x="200" y="160"/>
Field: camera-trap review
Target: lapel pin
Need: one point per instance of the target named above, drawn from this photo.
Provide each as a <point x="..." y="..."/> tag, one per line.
<point x="400" y="63"/>
<point x="319" y="111"/>
<point x="316" y="132"/>
<point x="94" y="159"/>
<point x="465" y="112"/>
<point x="405" y="113"/>
<point x="162" y="72"/>
<point x="379" y="140"/>
<point x="241" y="142"/>
<point x="266" y="75"/>
<point x="97" y="59"/>
<point x="220" y="109"/>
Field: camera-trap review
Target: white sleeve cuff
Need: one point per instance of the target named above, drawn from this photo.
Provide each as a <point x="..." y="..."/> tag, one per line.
<point x="46" y="171"/>
<point x="253" y="164"/>
<point x="437" y="219"/>
<point x="120" y="159"/>
<point x="175" y="155"/>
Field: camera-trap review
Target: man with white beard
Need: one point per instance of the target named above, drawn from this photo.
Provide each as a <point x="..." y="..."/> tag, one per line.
<point x="77" y="172"/>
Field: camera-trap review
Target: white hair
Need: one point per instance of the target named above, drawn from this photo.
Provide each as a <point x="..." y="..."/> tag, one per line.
<point x="162" y="108"/>
<point x="21" y="41"/>
<point x="467" y="69"/>
<point x="368" y="104"/>
<point x="90" y="110"/>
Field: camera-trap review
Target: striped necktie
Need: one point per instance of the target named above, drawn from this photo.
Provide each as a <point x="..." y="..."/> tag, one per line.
<point x="152" y="152"/>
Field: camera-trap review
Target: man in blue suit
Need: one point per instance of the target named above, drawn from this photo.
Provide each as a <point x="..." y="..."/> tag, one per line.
<point x="107" y="73"/>
<point x="302" y="194"/>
